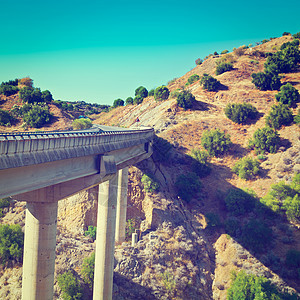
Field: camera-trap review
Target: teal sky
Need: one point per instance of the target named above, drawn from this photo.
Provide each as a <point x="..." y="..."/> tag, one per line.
<point x="98" y="51"/>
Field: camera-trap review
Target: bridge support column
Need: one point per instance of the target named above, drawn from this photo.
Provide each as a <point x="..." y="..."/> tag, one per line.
<point x="39" y="251"/>
<point x="105" y="239"/>
<point x="122" y="205"/>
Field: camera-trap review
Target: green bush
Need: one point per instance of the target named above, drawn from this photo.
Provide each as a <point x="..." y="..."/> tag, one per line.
<point x="87" y="270"/>
<point x="118" y="102"/>
<point x="83" y="123"/>
<point x="193" y="78"/>
<point x="8" y="90"/>
<point x="266" y="81"/>
<point x="92" y="232"/>
<point x="151" y="92"/>
<point x="142" y="92"/>
<point x="150" y="184"/>
<point x="297" y="117"/>
<point x="37" y="116"/>
<point x="47" y="96"/>
<point x="138" y="100"/>
<point x="223" y="67"/>
<point x="5" y="202"/>
<point x="11" y="243"/>
<point x="209" y="83"/>
<point x="188" y="186"/>
<point x="265" y="140"/>
<point x="70" y="286"/>
<point x="31" y="95"/>
<point x="279" y="115"/>
<point x="215" y="142"/>
<point x="240" y="113"/>
<point x="185" y="100"/>
<point x="246" y="168"/>
<point x="239" y="202"/>
<point x="129" y="101"/>
<point x="288" y="95"/>
<point x="6" y="119"/>
<point x="200" y="163"/>
<point x="161" y="93"/>
<point x="249" y="287"/>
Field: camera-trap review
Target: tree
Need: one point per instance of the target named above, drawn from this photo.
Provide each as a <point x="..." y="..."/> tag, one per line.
<point x="223" y="67"/>
<point x="240" y="113"/>
<point x="185" y="100"/>
<point x="118" y="102"/>
<point x="279" y="115"/>
<point x="287" y="95"/>
<point x="161" y="93"/>
<point x="141" y="91"/>
<point x="138" y="99"/>
<point x="265" y="139"/>
<point x="215" y="142"/>
<point x="129" y="101"/>
<point x="47" y="96"/>
<point x="31" y="95"/>
<point x="11" y="243"/>
<point x="209" y="83"/>
<point x="8" y="90"/>
<point x="70" y="286"/>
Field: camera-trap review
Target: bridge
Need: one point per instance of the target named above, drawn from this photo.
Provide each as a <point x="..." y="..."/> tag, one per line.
<point x="42" y="168"/>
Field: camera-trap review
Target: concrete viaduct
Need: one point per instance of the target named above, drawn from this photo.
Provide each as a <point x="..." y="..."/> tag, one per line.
<point x="43" y="168"/>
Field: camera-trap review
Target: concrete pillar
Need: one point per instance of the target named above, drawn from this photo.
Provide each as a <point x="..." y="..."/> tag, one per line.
<point x="39" y="251"/>
<point x="105" y="240"/>
<point x="121" y="205"/>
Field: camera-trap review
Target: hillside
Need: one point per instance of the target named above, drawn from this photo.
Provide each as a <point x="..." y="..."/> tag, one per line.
<point x="180" y="255"/>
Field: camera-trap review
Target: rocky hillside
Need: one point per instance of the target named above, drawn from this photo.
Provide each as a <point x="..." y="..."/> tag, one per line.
<point x="179" y="255"/>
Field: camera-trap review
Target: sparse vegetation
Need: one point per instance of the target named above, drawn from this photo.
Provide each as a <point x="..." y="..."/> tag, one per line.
<point x="265" y="140"/>
<point x="185" y="100"/>
<point x="240" y="113"/>
<point x="246" y="168"/>
<point x="279" y="115"/>
<point x="130" y="228"/>
<point x="216" y="142"/>
<point x="288" y="95"/>
<point x="92" y="231"/>
<point x="150" y="184"/>
<point x="161" y="93"/>
<point x="188" y="186"/>
<point x="70" y="286"/>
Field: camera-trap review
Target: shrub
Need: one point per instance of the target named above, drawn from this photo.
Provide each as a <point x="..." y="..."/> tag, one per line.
<point x="130" y="228"/>
<point x="265" y="139"/>
<point x="215" y="142"/>
<point x="138" y="100"/>
<point x="239" y="202"/>
<point x="198" y="61"/>
<point x="239" y="113"/>
<point x="92" y="231"/>
<point x="151" y="92"/>
<point x="266" y="81"/>
<point x="296" y="35"/>
<point x="5" y="202"/>
<point x="8" y="90"/>
<point x="6" y="119"/>
<point x="209" y="83"/>
<point x="129" y="101"/>
<point x="248" y="286"/>
<point x="286" y="33"/>
<point x="11" y="243"/>
<point x="70" y="286"/>
<point x="118" y="102"/>
<point x="47" y="96"/>
<point x="223" y="67"/>
<point x="161" y="93"/>
<point x="161" y="149"/>
<point x="293" y="258"/>
<point x="31" y="95"/>
<point x="233" y="227"/>
<point x="150" y="184"/>
<point x="279" y="115"/>
<point x="239" y="51"/>
<point x="193" y="78"/>
<point x="185" y="100"/>
<point x="188" y="186"/>
<point x="83" y="123"/>
<point x="27" y="81"/>
<point x="200" y="163"/>
<point x="288" y="95"/>
<point x="297" y="117"/>
<point x="228" y="58"/>
<point x="37" y="116"/>
<point x="212" y="220"/>
<point x="246" y="168"/>
<point x="224" y="51"/>
<point x="256" y="235"/>
<point x="87" y="270"/>
<point x="141" y="91"/>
